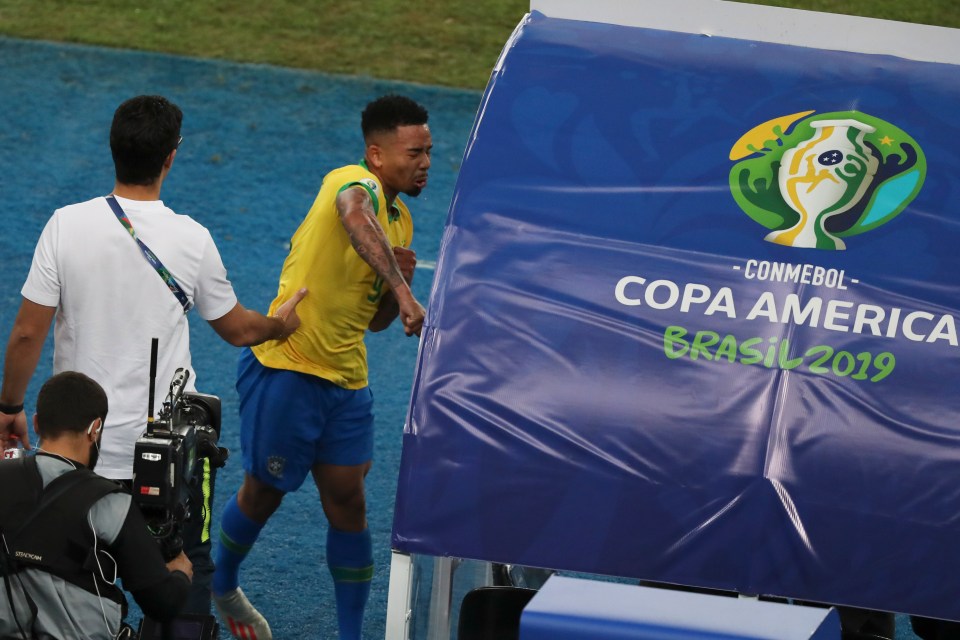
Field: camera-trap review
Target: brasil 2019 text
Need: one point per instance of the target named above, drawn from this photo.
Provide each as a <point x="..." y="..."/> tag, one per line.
<point x="774" y="352"/>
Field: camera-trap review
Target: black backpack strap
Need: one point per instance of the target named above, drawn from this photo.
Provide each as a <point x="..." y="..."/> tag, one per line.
<point x="41" y="540"/>
<point x="21" y="472"/>
<point x="54" y="492"/>
<point x="15" y="506"/>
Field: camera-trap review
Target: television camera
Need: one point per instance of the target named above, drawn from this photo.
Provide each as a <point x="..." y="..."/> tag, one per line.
<point x="165" y="485"/>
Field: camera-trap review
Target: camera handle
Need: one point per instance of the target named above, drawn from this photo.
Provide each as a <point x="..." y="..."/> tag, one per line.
<point x="207" y="447"/>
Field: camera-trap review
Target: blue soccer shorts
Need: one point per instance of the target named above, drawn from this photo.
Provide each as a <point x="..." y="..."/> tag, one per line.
<point x="290" y="421"/>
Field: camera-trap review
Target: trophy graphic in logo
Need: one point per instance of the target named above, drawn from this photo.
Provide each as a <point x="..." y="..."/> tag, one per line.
<point x="815" y="180"/>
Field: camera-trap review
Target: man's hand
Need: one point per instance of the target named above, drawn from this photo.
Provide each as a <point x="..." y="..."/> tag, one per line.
<point x="13" y="427"/>
<point x="407" y="261"/>
<point x="181" y="563"/>
<point x="412" y="314"/>
<point x="242" y="327"/>
<point x="287" y="313"/>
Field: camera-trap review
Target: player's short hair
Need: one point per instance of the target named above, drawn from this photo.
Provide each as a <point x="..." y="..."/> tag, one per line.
<point x="145" y="130"/>
<point x="69" y="402"/>
<point x="388" y="112"/>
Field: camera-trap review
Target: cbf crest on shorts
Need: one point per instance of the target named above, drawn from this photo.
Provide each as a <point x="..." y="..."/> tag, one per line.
<point x="275" y="466"/>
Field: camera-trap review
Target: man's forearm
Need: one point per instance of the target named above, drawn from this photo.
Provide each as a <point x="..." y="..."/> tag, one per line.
<point x="161" y="593"/>
<point x="19" y="365"/>
<point x="164" y="600"/>
<point x="23" y="350"/>
<point x="259" y="328"/>
<point x="371" y="245"/>
<point x="244" y="327"/>
<point x="370" y="242"/>
<point x="367" y="237"/>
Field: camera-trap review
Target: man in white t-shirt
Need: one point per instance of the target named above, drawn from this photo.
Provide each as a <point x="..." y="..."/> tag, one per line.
<point x="92" y="273"/>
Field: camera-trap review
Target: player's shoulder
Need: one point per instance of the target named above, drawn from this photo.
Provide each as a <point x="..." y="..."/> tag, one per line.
<point x="347" y="174"/>
<point x="354" y="175"/>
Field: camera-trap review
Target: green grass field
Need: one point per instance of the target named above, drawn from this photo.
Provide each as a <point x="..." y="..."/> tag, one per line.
<point x="447" y="42"/>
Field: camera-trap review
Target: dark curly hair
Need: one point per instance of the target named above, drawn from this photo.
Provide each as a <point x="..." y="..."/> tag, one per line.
<point x="386" y="113"/>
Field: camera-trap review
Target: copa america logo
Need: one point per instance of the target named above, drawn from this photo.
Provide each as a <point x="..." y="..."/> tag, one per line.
<point x="815" y="179"/>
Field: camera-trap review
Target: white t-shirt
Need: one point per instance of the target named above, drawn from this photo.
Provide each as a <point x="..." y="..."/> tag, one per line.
<point x="111" y="303"/>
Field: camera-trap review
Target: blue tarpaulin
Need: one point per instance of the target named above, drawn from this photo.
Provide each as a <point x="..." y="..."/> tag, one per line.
<point x="694" y="320"/>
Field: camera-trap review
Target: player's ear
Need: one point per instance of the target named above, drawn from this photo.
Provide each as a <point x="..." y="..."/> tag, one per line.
<point x="375" y="155"/>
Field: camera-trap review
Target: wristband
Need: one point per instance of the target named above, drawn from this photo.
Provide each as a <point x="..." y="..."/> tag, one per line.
<point x="11" y="409"/>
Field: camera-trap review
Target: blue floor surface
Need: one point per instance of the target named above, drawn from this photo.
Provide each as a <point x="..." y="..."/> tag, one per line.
<point x="257" y="142"/>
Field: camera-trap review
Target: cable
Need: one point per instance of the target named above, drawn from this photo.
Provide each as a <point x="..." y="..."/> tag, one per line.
<point x="96" y="557"/>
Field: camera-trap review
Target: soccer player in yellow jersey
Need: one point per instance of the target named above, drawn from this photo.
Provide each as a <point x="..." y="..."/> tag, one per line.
<point x="304" y="403"/>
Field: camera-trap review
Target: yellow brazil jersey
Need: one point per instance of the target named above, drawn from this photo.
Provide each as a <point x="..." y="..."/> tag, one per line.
<point x="344" y="291"/>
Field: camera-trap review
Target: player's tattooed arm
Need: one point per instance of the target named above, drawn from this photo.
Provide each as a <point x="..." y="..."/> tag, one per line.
<point x="367" y="236"/>
<point x="369" y="241"/>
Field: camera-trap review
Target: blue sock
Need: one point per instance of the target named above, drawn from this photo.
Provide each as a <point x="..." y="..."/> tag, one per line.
<point x="237" y="535"/>
<point x="350" y="560"/>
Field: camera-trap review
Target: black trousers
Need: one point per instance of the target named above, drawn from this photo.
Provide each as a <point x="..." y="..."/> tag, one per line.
<point x="197" y="538"/>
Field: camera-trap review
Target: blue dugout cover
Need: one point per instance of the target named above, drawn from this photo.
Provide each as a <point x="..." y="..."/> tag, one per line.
<point x="694" y="320"/>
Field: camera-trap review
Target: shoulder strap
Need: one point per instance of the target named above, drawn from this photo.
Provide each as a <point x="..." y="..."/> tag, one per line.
<point x="80" y="485"/>
<point x="15" y="506"/>
<point x="53" y="492"/>
<point x="55" y="536"/>
<point x="25" y="474"/>
<point x="150" y="256"/>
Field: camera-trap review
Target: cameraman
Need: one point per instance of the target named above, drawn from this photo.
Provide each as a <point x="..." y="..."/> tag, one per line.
<point x="118" y="271"/>
<point x="70" y="533"/>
